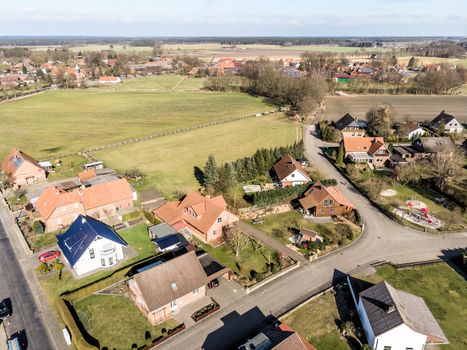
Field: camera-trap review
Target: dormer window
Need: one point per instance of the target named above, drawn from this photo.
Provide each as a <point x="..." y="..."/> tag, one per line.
<point x="173" y="286"/>
<point x="219" y="220"/>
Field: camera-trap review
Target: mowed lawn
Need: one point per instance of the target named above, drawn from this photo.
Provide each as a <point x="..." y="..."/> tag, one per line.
<point x="443" y="290"/>
<point x="169" y="162"/>
<point x="61" y="121"/>
<point x="128" y="327"/>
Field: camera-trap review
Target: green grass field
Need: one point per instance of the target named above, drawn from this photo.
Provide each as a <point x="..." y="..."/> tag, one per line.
<point x="128" y="327"/>
<point x="169" y="161"/>
<point x="443" y="290"/>
<point x="316" y="322"/>
<point x="159" y="83"/>
<point x="61" y="121"/>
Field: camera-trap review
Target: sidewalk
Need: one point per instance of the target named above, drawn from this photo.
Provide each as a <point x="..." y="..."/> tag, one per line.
<point x="27" y="266"/>
<point x="271" y="242"/>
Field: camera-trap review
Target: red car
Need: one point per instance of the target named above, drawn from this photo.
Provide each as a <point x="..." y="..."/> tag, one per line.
<point x="49" y="256"/>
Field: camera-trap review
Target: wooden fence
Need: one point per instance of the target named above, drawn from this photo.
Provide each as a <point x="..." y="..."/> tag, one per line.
<point x="159" y="135"/>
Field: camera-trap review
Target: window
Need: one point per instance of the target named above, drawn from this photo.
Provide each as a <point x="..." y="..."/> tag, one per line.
<point x="92" y="255"/>
<point x="173" y="286"/>
<point x="102" y="261"/>
<point x="195" y="291"/>
<point x="387" y="348"/>
<point x="173" y="303"/>
<point x="219" y="219"/>
<point x="293" y="175"/>
<point x="111" y="261"/>
<point x="408" y="348"/>
<point x="331" y="211"/>
<point x="213" y="232"/>
<point x="323" y="211"/>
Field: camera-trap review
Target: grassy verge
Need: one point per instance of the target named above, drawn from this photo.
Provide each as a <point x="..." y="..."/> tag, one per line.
<point x="170" y="162"/>
<point x="129" y="326"/>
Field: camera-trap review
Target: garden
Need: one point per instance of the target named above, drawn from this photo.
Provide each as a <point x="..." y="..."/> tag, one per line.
<point x="132" y="328"/>
<point x="334" y="233"/>
<point x="250" y="260"/>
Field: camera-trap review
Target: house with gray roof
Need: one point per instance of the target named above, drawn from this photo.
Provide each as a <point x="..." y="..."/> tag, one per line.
<point x="393" y="319"/>
<point x="449" y="122"/>
<point x="166" y="287"/>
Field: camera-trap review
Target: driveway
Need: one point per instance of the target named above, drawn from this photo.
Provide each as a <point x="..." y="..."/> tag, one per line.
<point x="382" y="239"/>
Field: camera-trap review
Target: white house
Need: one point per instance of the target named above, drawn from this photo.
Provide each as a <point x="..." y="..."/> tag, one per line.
<point x="89" y="244"/>
<point x="290" y="172"/>
<point x="451" y="124"/>
<point x="395" y="320"/>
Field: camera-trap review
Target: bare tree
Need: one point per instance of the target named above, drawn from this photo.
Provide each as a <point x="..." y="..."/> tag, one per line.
<point x="235" y="239"/>
<point x="446" y="164"/>
<point x="379" y="120"/>
<point x="412" y="173"/>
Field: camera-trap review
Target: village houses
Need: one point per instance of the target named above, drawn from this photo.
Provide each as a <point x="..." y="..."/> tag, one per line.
<point x="320" y="200"/>
<point x="448" y="122"/>
<point x="23" y="168"/>
<point x="365" y="149"/>
<point x="290" y="172"/>
<point x="89" y="244"/>
<point x="59" y="206"/>
<point x="168" y="286"/>
<point x="204" y="217"/>
<point x="393" y="319"/>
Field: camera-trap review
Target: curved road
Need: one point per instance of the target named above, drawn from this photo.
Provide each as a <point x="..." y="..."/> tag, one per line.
<point x="383" y="239"/>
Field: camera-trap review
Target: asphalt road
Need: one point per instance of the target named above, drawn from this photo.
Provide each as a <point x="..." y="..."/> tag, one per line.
<point x="14" y="285"/>
<point x="383" y="239"/>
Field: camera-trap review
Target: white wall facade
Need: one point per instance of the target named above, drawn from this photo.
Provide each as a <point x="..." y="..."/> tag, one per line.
<point x="416" y="133"/>
<point x="106" y="253"/>
<point x="296" y="178"/>
<point x="400" y="338"/>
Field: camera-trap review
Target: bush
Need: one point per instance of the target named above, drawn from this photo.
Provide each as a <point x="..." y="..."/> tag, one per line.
<point x="38" y="227"/>
<point x="329" y="182"/>
<point x="150" y="217"/>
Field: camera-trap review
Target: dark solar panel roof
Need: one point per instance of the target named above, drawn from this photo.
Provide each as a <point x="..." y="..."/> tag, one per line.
<point x="167" y="241"/>
<point x="346" y="121"/>
<point x="79" y="236"/>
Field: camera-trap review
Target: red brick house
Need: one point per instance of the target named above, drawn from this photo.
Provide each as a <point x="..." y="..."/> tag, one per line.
<point x="365" y="149"/>
<point x="320" y="200"/>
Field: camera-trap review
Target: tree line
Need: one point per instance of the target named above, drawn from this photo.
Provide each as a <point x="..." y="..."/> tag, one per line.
<point x="221" y="178"/>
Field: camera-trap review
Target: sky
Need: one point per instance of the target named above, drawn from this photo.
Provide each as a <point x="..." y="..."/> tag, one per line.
<point x="234" y="18"/>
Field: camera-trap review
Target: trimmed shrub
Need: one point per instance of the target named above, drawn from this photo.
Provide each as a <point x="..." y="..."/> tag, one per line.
<point x="38" y="227"/>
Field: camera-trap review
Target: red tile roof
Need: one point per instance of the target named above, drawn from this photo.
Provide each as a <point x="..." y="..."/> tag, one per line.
<point x="206" y="210"/>
<point x="8" y="164"/>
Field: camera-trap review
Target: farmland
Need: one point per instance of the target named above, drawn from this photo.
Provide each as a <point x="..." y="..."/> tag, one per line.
<point x="209" y="50"/>
<point x="418" y="108"/>
<point x="61" y="121"/>
<point x="169" y="161"/>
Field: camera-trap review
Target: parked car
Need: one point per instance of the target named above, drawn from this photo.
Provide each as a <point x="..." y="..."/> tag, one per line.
<point x="4" y="310"/>
<point x="49" y="256"/>
<point x="258" y="221"/>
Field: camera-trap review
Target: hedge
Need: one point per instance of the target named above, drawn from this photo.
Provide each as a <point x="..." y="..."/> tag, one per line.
<point x="278" y="196"/>
<point x="76" y="335"/>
